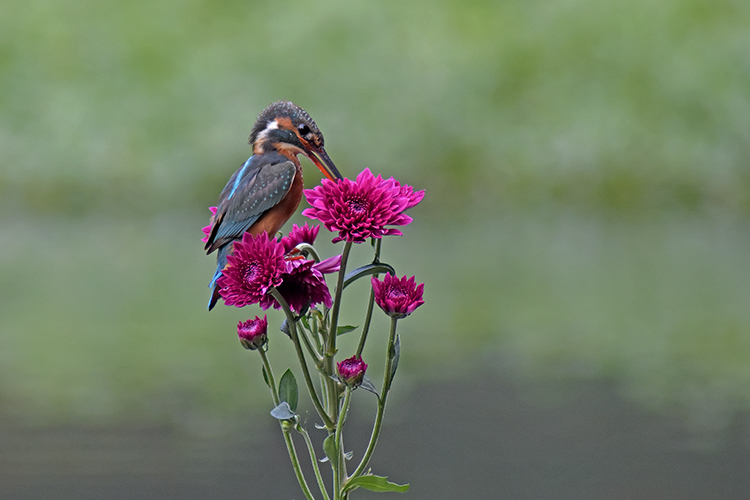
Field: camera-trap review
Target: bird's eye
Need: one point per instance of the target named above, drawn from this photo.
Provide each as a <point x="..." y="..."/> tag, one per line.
<point x="303" y="129"/>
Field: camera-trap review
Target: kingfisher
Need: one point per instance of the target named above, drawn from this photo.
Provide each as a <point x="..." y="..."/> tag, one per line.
<point x="267" y="189"/>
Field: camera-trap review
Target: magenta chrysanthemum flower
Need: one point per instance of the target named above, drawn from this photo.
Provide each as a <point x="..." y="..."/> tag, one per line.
<point x="253" y="333"/>
<point x="297" y="235"/>
<point x="398" y="298"/>
<point x="303" y="283"/>
<point x="207" y="230"/>
<point x="408" y="192"/>
<point x="363" y="208"/>
<point x="351" y="371"/>
<point x="256" y="266"/>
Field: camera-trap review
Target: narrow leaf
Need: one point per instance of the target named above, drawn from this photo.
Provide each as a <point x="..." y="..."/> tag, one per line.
<point x="305" y="321"/>
<point x="379" y="268"/>
<point x="375" y="483"/>
<point x="395" y="354"/>
<point x="288" y="389"/>
<point x="368" y="385"/>
<point x="285" y="328"/>
<point x="265" y="377"/>
<point x="345" y="329"/>
<point x="282" y="412"/>
<point x="329" y="447"/>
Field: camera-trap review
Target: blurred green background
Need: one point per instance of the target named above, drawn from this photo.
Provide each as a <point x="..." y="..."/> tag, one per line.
<point x="587" y="214"/>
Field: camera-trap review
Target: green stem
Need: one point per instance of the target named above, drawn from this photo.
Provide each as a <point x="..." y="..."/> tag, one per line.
<point x="269" y="373"/>
<point x="337" y="300"/>
<point x="307" y="248"/>
<point x="317" y="358"/>
<point x="287" y="438"/>
<point x="366" y="326"/>
<point x="381" y="403"/>
<point x="295" y="464"/>
<point x="370" y="304"/>
<point x="327" y="421"/>
<point x="339" y="471"/>
<point x="314" y="460"/>
<point x="330" y="341"/>
<point x="316" y="333"/>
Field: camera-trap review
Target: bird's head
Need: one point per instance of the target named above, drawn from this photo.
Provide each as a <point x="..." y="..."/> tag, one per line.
<point x="287" y="128"/>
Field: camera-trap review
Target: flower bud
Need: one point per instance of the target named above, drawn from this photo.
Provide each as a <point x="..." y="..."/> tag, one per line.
<point x="252" y="333"/>
<point x="397" y="297"/>
<point x="351" y="371"/>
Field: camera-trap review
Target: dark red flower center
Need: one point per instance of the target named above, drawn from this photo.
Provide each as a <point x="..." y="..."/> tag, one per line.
<point x="357" y="205"/>
<point x="396" y="294"/>
<point x="252" y="271"/>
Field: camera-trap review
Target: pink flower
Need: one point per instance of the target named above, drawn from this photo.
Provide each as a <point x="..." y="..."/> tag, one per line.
<point x="351" y="371"/>
<point x="398" y="298"/>
<point x="408" y="192"/>
<point x="255" y="267"/>
<point x="207" y="230"/>
<point x="252" y="333"/>
<point x="297" y="235"/>
<point x="363" y="208"/>
<point x="303" y="283"/>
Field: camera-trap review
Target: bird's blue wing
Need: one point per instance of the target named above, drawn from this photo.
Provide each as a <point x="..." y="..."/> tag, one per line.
<point x="249" y="193"/>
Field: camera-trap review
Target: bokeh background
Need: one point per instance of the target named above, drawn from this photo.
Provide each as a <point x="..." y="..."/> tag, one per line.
<point x="585" y="242"/>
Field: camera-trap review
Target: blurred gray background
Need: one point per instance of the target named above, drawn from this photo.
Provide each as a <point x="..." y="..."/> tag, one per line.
<point x="585" y="242"/>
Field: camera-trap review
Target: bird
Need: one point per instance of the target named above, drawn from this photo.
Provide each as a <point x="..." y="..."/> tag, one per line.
<point x="267" y="189"/>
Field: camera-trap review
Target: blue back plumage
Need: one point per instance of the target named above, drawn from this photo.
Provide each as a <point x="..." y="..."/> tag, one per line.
<point x="256" y="187"/>
<point x="238" y="179"/>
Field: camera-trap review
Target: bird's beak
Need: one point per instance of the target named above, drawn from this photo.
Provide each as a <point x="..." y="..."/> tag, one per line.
<point x="321" y="160"/>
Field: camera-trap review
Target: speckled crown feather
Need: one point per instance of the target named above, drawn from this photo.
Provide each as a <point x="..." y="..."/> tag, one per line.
<point x="282" y="108"/>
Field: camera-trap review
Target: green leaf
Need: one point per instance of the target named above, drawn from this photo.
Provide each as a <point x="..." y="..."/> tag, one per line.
<point x="379" y="268"/>
<point x="283" y="412"/>
<point x="288" y="389"/>
<point x="345" y="329"/>
<point x="305" y="322"/>
<point x="378" y="484"/>
<point x="329" y="447"/>
<point x="368" y="385"/>
<point x="395" y="354"/>
<point x="265" y="377"/>
<point x="285" y="328"/>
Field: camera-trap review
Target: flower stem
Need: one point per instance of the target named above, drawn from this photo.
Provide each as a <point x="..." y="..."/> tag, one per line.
<point x="339" y="471"/>
<point x="368" y="316"/>
<point x="381" y="403"/>
<point x="295" y="464"/>
<point x="309" y="249"/>
<point x="330" y="341"/>
<point x="313" y="352"/>
<point x="366" y="326"/>
<point x="269" y="373"/>
<point x="314" y="460"/>
<point x="287" y="438"/>
<point x="316" y="333"/>
<point x="337" y="300"/>
<point x="327" y="421"/>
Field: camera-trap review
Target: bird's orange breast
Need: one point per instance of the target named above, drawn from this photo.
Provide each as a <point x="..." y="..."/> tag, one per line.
<point x="274" y="218"/>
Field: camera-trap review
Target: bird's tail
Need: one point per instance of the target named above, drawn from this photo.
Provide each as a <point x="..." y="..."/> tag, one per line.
<point x="221" y="263"/>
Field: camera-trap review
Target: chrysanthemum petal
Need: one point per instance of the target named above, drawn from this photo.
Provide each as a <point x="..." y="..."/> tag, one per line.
<point x="361" y="209"/>
<point x="253" y="269"/>
<point x="397" y="297"/>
